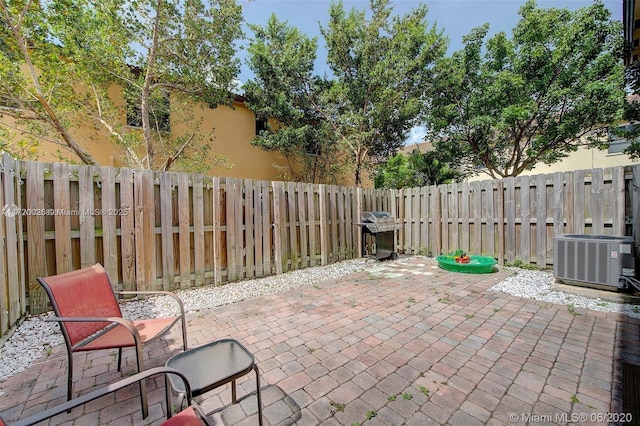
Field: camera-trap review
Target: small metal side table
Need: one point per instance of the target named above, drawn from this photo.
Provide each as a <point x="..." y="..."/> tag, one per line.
<point x="213" y="365"/>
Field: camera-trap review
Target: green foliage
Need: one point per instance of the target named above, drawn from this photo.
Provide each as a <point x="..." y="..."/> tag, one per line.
<point x="372" y="103"/>
<point x="517" y="263"/>
<point x="286" y="93"/>
<point x="416" y="170"/>
<point x="509" y="103"/>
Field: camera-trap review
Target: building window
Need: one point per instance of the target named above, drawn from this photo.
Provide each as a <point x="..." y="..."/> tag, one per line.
<point x="158" y="116"/>
<point x="618" y="141"/>
<point x="261" y="125"/>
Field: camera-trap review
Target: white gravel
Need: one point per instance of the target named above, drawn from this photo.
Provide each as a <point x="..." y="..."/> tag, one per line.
<point x="35" y="337"/>
<point x="537" y="285"/>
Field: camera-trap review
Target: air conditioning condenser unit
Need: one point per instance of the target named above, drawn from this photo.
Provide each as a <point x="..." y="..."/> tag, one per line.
<point x="601" y="261"/>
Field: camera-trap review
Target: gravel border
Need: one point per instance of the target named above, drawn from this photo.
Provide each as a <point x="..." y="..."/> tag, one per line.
<point x="35" y="337"/>
<point x="537" y="285"/>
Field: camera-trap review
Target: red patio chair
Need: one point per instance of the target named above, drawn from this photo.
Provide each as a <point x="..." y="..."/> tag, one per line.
<point x="191" y="416"/>
<point x="90" y="319"/>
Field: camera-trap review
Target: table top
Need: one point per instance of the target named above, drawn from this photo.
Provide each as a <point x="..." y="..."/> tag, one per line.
<point x="210" y="365"/>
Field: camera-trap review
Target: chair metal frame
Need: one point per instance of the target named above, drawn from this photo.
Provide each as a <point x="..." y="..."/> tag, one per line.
<point x="113" y="323"/>
<point x="197" y="413"/>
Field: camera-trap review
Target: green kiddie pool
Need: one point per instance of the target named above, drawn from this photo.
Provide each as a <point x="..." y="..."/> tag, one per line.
<point x="476" y="265"/>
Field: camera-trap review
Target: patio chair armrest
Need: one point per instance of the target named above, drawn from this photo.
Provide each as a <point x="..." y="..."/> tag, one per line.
<point x="158" y="293"/>
<point x="62" y="408"/>
<point x="122" y="321"/>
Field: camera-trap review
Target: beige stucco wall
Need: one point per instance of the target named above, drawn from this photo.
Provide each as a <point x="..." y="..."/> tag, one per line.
<point x="233" y="129"/>
<point x="582" y="159"/>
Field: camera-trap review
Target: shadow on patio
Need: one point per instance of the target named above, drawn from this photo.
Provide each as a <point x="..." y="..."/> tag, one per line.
<point x="400" y="343"/>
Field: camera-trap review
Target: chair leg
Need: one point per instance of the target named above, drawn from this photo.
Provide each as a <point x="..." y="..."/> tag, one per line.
<point x="70" y="378"/>
<point x="167" y="396"/>
<point x="143" y="384"/>
<point x="120" y="359"/>
<point x="258" y="395"/>
<point x="184" y="334"/>
<point x="234" y="398"/>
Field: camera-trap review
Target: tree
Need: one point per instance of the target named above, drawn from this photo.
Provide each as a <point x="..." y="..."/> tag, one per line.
<point x="631" y="114"/>
<point x="286" y="95"/>
<point x="158" y="51"/>
<point x="36" y="79"/>
<point x="508" y="104"/>
<point x="381" y="66"/>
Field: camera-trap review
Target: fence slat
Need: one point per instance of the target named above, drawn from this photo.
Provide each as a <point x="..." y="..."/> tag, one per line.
<point x="578" y="202"/>
<point x="249" y="245"/>
<point x="293" y="217"/>
<point x="465" y="227"/>
<point x="303" y="224"/>
<point x="476" y="212"/>
<point x="322" y="207"/>
<point x="217" y="231"/>
<point x="278" y="224"/>
<point x="558" y="219"/>
<point x="110" y="213"/>
<point x="425" y="235"/>
<point x="618" y="210"/>
<point x="342" y="233"/>
<point x="86" y="216"/>
<point x="525" y="220"/>
<point x="258" y="194"/>
<point x="198" y="230"/>
<point x="35" y="231"/>
<point x="436" y="222"/>
<point x="597" y="201"/>
<point x="500" y="202"/>
<point x="166" y="231"/>
<point x="6" y="308"/>
<point x="541" y="220"/>
<point x="232" y="234"/>
<point x="490" y="215"/>
<point x="267" y="228"/>
<point x="62" y="222"/>
<point x="16" y="286"/>
<point x="184" y="234"/>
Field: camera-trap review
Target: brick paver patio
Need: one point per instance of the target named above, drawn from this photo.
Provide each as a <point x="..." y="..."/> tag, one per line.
<point x="400" y="343"/>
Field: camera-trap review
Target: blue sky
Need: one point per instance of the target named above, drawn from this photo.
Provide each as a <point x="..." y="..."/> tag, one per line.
<point x="455" y="17"/>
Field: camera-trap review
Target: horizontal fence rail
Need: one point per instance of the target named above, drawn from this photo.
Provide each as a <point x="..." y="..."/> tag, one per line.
<point x="165" y="231"/>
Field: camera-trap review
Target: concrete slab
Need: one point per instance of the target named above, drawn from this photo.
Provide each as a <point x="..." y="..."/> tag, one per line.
<point x="597" y="293"/>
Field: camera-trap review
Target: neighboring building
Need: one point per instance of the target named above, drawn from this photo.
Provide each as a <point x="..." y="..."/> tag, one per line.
<point x="233" y="129"/>
<point x="631" y="23"/>
<point x="583" y="158"/>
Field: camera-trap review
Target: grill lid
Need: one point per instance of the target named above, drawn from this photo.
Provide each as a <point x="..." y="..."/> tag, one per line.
<point x="379" y="222"/>
<point x="377" y="217"/>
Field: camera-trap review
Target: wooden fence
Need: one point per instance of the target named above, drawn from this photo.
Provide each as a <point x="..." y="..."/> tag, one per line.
<point x="154" y="230"/>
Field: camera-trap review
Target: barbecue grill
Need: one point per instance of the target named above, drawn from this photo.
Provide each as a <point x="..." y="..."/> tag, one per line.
<point x="383" y="227"/>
